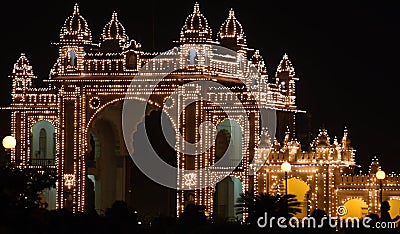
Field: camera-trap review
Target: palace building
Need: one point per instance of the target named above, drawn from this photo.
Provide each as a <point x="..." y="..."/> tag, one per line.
<point x="74" y="125"/>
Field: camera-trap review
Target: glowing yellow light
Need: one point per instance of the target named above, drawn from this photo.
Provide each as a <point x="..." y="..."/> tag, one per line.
<point x="380" y="175"/>
<point x="286" y="167"/>
<point x="9" y="142"/>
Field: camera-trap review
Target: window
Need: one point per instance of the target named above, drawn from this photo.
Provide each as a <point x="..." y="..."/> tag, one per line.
<point x="240" y="61"/>
<point x="19" y="84"/>
<point x="192" y="56"/>
<point x="42" y="143"/>
<point x="206" y="58"/>
<point x="72" y="58"/>
<point x="283" y="85"/>
<point x="131" y="62"/>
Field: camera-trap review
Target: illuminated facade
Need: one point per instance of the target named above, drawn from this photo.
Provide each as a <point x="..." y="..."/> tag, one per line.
<point x="73" y="124"/>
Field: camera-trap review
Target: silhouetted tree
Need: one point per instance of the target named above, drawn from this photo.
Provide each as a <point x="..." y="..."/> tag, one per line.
<point x="21" y="187"/>
<point x="275" y="206"/>
<point x="193" y="216"/>
<point x="121" y="218"/>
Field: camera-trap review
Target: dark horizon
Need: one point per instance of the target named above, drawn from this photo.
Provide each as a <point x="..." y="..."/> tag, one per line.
<point x="344" y="54"/>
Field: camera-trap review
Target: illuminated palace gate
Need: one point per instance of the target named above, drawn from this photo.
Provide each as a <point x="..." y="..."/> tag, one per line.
<point x="74" y="124"/>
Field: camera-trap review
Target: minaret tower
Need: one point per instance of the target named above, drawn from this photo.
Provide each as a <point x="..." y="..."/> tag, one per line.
<point x="22" y="77"/>
<point x="75" y="39"/>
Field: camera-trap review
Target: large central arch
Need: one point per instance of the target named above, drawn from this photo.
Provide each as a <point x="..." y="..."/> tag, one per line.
<point x="111" y="173"/>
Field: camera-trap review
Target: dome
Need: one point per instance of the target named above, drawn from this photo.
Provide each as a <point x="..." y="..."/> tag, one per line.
<point x="232" y="31"/>
<point x="258" y="61"/>
<point x="114" y="30"/>
<point x="323" y="138"/>
<point x="22" y="67"/>
<point x="76" y="27"/>
<point x="285" y="66"/>
<point x="196" y="29"/>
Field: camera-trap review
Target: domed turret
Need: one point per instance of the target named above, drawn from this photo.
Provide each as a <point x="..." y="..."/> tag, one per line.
<point x="75" y="28"/>
<point x="114" y="30"/>
<point x="285" y="66"/>
<point x="231" y="33"/>
<point x="286" y="81"/>
<point x="322" y="140"/>
<point x="22" y="75"/>
<point x="22" y="68"/>
<point x="196" y="29"/>
<point x="258" y="61"/>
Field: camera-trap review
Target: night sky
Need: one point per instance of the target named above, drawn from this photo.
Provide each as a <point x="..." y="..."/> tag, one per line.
<point x="345" y="54"/>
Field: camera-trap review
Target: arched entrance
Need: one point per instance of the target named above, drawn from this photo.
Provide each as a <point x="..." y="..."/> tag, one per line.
<point x="301" y="189"/>
<point x="356" y="208"/>
<point x="113" y="176"/>
<point x="394" y="207"/>
<point x="43" y="153"/>
<point x="229" y="141"/>
<point x="106" y="162"/>
<point x="43" y="143"/>
<point x="227" y="192"/>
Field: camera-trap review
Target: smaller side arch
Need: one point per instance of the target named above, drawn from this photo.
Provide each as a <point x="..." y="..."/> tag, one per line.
<point x="356" y="207"/>
<point x="394" y="207"/>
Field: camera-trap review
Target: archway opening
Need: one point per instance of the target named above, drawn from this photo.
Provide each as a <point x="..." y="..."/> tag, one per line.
<point x="301" y="190"/>
<point x="43" y="143"/>
<point x="227" y="192"/>
<point x="356" y="208"/>
<point x="229" y="141"/>
<point x="43" y="153"/>
<point x="394" y="207"/>
<point x="112" y="175"/>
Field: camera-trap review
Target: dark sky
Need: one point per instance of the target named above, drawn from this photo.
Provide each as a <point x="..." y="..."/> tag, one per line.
<point x="344" y="52"/>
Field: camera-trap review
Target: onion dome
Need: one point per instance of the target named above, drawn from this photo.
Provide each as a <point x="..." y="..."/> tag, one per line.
<point x="196" y="29"/>
<point x="374" y="167"/>
<point x="22" y="75"/>
<point x="285" y="66"/>
<point x="258" y="61"/>
<point x="22" y="69"/>
<point x="231" y="33"/>
<point x="114" y="30"/>
<point x="322" y="138"/>
<point x="76" y="28"/>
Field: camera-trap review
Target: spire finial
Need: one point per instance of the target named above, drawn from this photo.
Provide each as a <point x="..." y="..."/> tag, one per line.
<point x="285" y="56"/>
<point x="114" y="15"/>
<point x="196" y="8"/>
<point x="76" y="8"/>
<point x="335" y="141"/>
<point x="231" y="13"/>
